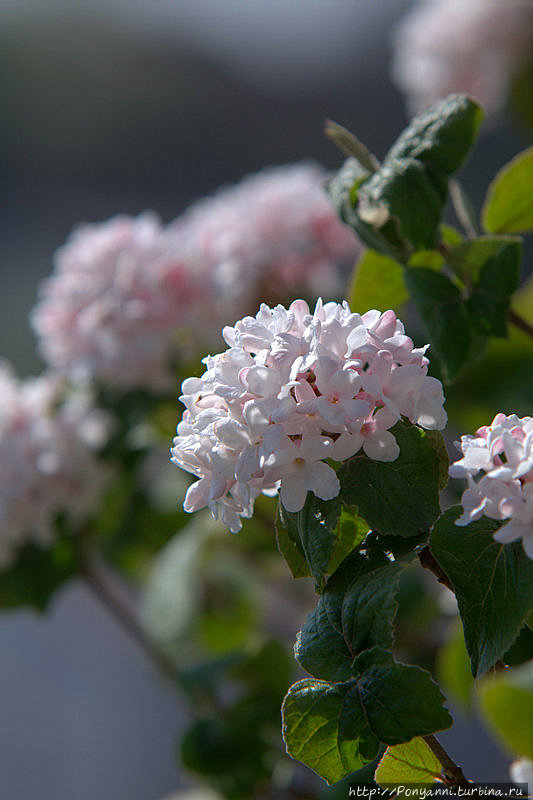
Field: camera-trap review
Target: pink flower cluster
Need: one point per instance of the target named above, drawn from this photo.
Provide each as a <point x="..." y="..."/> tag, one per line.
<point x="129" y="297"/>
<point x="501" y="457"/>
<point x="272" y="234"/>
<point x="293" y="390"/>
<point x="47" y="461"/>
<point x="114" y="306"/>
<point x="473" y="46"/>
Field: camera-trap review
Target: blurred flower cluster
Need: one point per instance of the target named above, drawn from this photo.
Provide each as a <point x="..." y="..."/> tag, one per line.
<point x="47" y="460"/>
<point x="502" y="453"/>
<point x="474" y="46"/>
<point x="130" y="301"/>
<point x="131" y="297"/>
<point x="292" y="390"/>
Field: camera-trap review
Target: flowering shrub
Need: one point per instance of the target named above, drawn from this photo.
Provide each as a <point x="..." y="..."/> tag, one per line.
<point x="503" y="454"/>
<point x="48" y="465"/>
<point x="334" y="410"/>
<point x="130" y="297"/>
<point x="293" y="390"/>
<point x="474" y="46"/>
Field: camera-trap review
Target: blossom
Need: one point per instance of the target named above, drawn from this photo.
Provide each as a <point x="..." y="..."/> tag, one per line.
<point x="498" y="465"/>
<point x="47" y="460"/>
<point x="113" y="308"/>
<point x="473" y="46"/>
<point x="130" y="297"/>
<point x="270" y="235"/>
<point x="293" y="390"/>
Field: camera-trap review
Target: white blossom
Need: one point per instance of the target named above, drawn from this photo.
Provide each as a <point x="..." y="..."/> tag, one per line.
<point x="48" y="465"/>
<point x="498" y="465"/>
<point x="472" y="46"/>
<point x="293" y="390"/>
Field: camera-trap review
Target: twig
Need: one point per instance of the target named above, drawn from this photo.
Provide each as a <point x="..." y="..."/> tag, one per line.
<point x="97" y="581"/>
<point x="520" y="323"/>
<point x="452" y="774"/>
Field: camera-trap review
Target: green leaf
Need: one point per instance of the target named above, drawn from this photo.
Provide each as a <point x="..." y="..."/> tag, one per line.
<point x="489" y="299"/>
<point x="350" y="145"/>
<point x="383" y="492"/>
<point x="521" y="650"/>
<point x="228" y="755"/>
<point x="405" y="191"/>
<point x="381" y="233"/>
<point x="506" y="701"/>
<point x="467" y="258"/>
<point x="508" y="206"/>
<point x="453" y="668"/>
<point x="450" y="236"/>
<point x="436" y="440"/>
<point x="355" y="613"/>
<point x="266" y="666"/>
<point x="432" y="259"/>
<point x="442" y="135"/>
<point x="316" y="539"/>
<point x="38" y="573"/>
<point x="412" y="762"/>
<point x="348" y="534"/>
<point x="398" y="208"/>
<point x="444" y="313"/>
<point x="377" y="282"/>
<point x="336" y="729"/>
<point x="289" y="543"/>
<point x="172" y="591"/>
<point x="493" y="584"/>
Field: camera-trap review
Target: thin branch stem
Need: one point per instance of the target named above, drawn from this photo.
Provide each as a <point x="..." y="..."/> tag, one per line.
<point x="520" y="323"/>
<point x="101" y="587"/>
<point x="452" y="774"/>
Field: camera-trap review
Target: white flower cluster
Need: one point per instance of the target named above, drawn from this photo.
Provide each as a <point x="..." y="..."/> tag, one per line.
<point x="293" y="390"/>
<point x="47" y="461"/>
<point x="130" y="296"/>
<point x="501" y="457"/>
<point x="473" y="46"/>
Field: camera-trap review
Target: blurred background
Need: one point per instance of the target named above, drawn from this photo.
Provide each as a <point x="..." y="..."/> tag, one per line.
<point x="109" y="107"/>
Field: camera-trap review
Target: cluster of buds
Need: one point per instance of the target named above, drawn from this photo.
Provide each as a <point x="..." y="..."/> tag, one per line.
<point x="498" y="465"/>
<point x="293" y="390"/>
<point x="48" y="465"/>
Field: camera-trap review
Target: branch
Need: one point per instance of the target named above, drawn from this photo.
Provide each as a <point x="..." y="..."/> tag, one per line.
<point x="98" y="582"/>
<point x="520" y="323"/>
<point x="452" y="774"/>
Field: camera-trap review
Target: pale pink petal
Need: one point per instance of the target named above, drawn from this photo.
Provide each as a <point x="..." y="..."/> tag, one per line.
<point x="381" y="446"/>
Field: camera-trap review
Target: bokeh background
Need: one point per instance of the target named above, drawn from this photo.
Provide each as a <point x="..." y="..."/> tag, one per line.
<point x="109" y="107"/>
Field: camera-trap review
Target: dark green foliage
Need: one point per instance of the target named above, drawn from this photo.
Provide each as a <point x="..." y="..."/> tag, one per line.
<point x="493" y="584"/>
